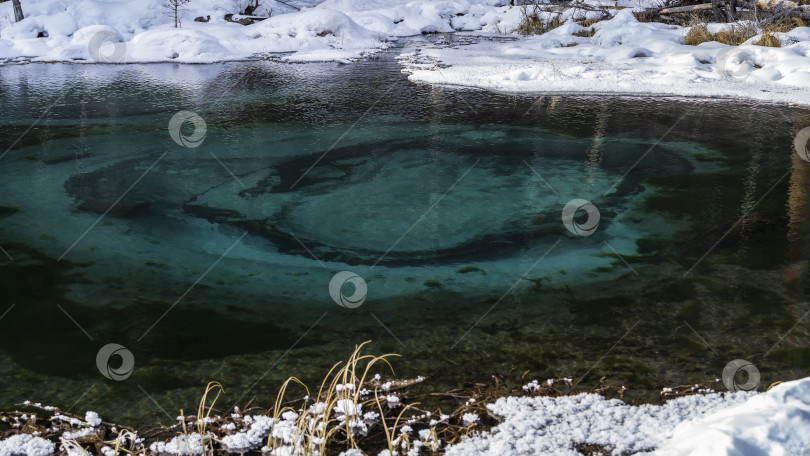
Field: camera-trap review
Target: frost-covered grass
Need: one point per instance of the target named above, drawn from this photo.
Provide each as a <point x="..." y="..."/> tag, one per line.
<point x="537" y="23"/>
<point x="357" y="412"/>
<point x="350" y="407"/>
<point x="354" y="407"/>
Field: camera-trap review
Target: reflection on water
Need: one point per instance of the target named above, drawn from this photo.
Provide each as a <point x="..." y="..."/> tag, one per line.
<point x="214" y="262"/>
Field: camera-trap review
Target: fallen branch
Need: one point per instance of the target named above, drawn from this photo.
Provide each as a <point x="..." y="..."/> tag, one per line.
<point x="691" y="8"/>
<point x="287" y="4"/>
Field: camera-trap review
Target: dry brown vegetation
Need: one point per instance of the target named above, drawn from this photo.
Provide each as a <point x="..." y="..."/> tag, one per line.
<point x="698" y="33"/>
<point x="587" y="33"/>
<point x="320" y="430"/>
<point x="769" y="31"/>
<point x="534" y="24"/>
<point x="768" y="40"/>
<point x="785" y="25"/>
<point x="588" y="22"/>
<point x="740" y="32"/>
<point x="646" y="16"/>
<point x="734" y="35"/>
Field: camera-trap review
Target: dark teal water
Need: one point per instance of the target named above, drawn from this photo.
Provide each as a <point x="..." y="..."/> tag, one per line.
<point x="445" y="205"/>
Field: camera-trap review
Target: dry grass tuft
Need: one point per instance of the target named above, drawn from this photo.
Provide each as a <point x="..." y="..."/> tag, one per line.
<point x="740" y="32"/>
<point x="769" y="31"/>
<point x="317" y="424"/>
<point x="698" y="33"/>
<point x="321" y="423"/>
<point x="785" y="25"/>
<point x="737" y="34"/>
<point x="533" y="24"/>
<point x="588" y="22"/>
<point x="769" y="40"/>
<point x="587" y="33"/>
<point x="733" y="36"/>
<point x="646" y="16"/>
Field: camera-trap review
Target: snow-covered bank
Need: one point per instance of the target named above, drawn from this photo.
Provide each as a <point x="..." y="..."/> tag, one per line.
<point x="141" y="31"/>
<point x="774" y="423"/>
<point x="624" y="56"/>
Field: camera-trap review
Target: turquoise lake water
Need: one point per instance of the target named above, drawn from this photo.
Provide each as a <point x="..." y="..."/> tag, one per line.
<point x="437" y="212"/>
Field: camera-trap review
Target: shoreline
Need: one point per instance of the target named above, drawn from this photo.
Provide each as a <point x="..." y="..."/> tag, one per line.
<point x="704" y="94"/>
<point x="549" y="417"/>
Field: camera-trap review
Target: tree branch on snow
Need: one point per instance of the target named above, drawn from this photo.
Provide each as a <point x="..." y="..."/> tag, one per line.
<point x="174" y="7"/>
<point x="254" y="5"/>
<point x="287" y="4"/>
<point x="18" y="12"/>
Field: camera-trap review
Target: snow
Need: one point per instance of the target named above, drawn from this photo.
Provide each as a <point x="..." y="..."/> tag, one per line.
<point x="624" y="56"/>
<point x="352" y="452"/>
<point x="144" y="33"/>
<point x="469" y="419"/>
<point x="348" y="407"/>
<point x="92" y="419"/>
<point x="251" y="438"/>
<point x="333" y="30"/>
<point x="316" y="35"/>
<point x="27" y="445"/>
<point x="774" y="423"/>
<point x="181" y="445"/>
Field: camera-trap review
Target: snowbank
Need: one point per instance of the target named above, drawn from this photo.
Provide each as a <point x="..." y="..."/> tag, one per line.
<point x="623" y="56"/>
<point x="141" y="31"/>
<point x="774" y="423"/>
<point x="407" y="18"/>
<point x="316" y="34"/>
<point x="26" y="445"/>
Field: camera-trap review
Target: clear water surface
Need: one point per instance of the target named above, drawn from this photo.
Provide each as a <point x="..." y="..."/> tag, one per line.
<point x="214" y="262"/>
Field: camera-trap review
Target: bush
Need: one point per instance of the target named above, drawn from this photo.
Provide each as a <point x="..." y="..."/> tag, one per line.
<point x="735" y="35"/>
<point x="769" y="40"/>
<point x="698" y="33"/>
<point x="533" y="24"/>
